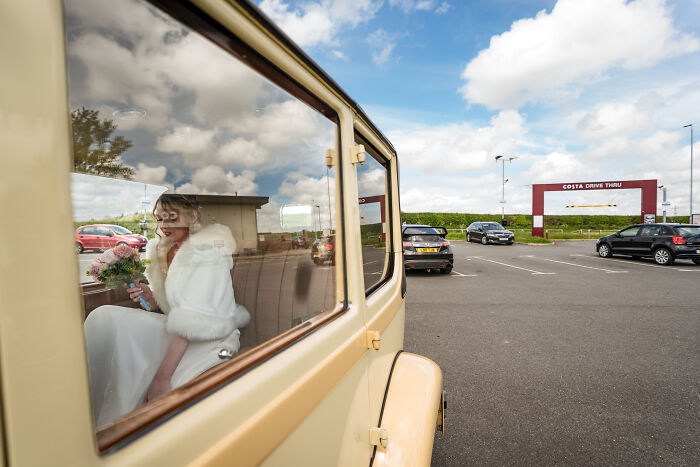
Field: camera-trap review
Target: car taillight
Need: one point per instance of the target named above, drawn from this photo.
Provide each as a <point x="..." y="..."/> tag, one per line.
<point x="330" y="246"/>
<point x="678" y="240"/>
<point x="407" y="244"/>
<point x="445" y="244"/>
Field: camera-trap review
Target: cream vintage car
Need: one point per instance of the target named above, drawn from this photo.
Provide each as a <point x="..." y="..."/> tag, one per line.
<point x="106" y="105"/>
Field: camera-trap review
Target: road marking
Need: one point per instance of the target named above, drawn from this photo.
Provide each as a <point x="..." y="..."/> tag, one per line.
<point x="459" y="274"/>
<point x="608" y="271"/>
<point x="688" y="270"/>
<point x="626" y="261"/>
<point x="517" y="267"/>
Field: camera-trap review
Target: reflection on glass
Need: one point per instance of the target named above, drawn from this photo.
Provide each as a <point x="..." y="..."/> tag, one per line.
<point x="161" y="106"/>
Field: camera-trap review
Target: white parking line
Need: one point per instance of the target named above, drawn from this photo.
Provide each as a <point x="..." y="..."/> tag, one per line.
<point x="459" y="274"/>
<point x="608" y="271"/>
<point x="516" y="267"/>
<point x="626" y="261"/>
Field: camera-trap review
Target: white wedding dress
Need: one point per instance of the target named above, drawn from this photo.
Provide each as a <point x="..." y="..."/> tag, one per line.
<point x="127" y="345"/>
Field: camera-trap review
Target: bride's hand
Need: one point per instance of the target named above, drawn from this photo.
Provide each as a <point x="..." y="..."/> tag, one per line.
<point x="141" y="290"/>
<point x="157" y="388"/>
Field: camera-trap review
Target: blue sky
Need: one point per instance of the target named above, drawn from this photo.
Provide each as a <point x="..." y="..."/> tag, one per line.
<point x="578" y="90"/>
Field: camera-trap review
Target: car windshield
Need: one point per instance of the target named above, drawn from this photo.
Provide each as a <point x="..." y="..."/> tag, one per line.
<point x="688" y="230"/>
<point x="120" y="230"/>
<point x="420" y="231"/>
<point x="492" y="226"/>
<point x="423" y="238"/>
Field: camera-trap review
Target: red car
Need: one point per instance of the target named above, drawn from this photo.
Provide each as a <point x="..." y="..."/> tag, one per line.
<point x="104" y="236"/>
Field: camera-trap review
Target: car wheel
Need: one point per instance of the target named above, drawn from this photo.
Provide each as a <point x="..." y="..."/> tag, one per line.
<point x="317" y="261"/>
<point x="663" y="257"/>
<point x="696" y="261"/>
<point x="469" y="238"/>
<point x="604" y="251"/>
<point x="484" y="241"/>
<point x="447" y="270"/>
<point x="78" y="247"/>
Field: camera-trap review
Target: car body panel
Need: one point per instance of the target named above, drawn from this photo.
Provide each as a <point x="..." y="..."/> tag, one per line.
<point x="413" y="397"/>
<point x="492" y="231"/>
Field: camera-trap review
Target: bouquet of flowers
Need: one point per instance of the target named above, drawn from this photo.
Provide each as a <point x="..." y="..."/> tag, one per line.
<point x="118" y="266"/>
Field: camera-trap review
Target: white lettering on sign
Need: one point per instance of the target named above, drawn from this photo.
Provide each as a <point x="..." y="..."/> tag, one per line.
<point x="589" y="186"/>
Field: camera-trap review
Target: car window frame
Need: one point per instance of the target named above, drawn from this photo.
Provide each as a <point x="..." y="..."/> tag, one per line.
<point x="390" y="246"/>
<point x="636" y="233"/>
<point x="136" y="424"/>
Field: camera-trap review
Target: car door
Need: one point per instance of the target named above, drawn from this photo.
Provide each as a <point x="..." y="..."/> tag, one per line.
<point x="478" y="231"/>
<point x="87" y="235"/>
<point x="622" y="242"/>
<point x="104" y="237"/>
<point x="643" y="243"/>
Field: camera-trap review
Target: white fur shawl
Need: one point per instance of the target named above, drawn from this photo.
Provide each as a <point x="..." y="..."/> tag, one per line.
<point x="196" y="294"/>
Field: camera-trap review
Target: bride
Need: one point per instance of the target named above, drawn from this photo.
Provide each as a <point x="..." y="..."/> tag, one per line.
<point x="136" y="356"/>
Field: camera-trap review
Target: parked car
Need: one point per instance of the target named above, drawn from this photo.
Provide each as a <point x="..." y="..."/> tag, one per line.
<point x="300" y="242"/>
<point x="489" y="232"/>
<point x="104" y="236"/>
<point x="323" y="249"/>
<point x="425" y="247"/>
<point x="663" y="242"/>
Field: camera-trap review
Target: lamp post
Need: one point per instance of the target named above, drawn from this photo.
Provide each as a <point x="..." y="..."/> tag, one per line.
<point x="691" y="170"/>
<point x="664" y="203"/>
<point x="320" y="228"/>
<point x="503" y="184"/>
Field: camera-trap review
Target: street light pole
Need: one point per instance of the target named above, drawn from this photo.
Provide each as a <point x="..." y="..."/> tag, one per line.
<point x="503" y="182"/>
<point x="663" y="190"/>
<point x="691" y="170"/>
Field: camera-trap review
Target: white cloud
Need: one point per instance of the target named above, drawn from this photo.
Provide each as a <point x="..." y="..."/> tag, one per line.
<point x="408" y="6"/>
<point x="557" y="167"/>
<point x="552" y="55"/>
<point x="338" y="54"/>
<point x="615" y="119"/>
<point x="241" y="152"/>
<point x="213" y="180"/>
<point x="151" y="175"/>
<point x="382" y="44"/>
<point x="443" y="8"/>
<point x="458" y="146"/>
<point x="193" y="143"/>
<point x="316" y="23"/>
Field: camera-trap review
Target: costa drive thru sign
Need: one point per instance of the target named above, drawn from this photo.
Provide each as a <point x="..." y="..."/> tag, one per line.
<point x="648" y="188"/>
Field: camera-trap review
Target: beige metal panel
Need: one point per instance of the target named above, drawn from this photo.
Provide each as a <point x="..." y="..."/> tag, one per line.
<point x="410" y="413"/>
<point x="44" y="375"/>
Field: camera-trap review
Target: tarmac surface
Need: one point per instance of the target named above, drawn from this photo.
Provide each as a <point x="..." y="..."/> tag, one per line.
<point x="554" y="356"/>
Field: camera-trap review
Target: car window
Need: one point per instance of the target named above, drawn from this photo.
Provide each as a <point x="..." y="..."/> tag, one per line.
<point x="375" y="233"/>
<point x="629" y="232"/>
<point x="420" y="231"/>
<point x="120" y="230"/>
<point x="691" y="230"/>
<point x="104" y="231"/>
<point x="650" y="230"/>
<point x="87" y="231"/>
<point x="424" y="238"/>
<point x="492" y="226"/>
<point x="157" y="106"/>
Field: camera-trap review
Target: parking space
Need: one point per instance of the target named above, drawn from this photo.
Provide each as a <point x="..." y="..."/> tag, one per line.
<point x="555" y="356"/>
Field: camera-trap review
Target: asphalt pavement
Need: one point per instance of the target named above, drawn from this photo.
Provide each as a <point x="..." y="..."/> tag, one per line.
<point x="554" y="356"/>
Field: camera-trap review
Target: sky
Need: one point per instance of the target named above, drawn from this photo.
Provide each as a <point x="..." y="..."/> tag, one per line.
<point x="571" y="91"/>
<point x="577" y="91"/>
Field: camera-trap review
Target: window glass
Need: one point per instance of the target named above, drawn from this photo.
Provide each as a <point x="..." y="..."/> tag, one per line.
<point x="630" y="232"/>
<point x="690" y="230"/>
<point x="372" y="180"/>
<point x="219" y="168"/>
<point x="650" y="230"/>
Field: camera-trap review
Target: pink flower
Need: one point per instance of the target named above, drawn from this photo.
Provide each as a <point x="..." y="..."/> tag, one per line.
<point x="123" y="251"/>
<point x="95" y="269"/>
<point x="108" y="257"/>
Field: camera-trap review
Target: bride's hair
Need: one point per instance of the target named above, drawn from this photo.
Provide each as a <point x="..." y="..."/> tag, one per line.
<point x="185" y="205"/>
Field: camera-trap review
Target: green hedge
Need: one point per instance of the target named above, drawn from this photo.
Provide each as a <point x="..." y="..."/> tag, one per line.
<point x="523" y="221"/>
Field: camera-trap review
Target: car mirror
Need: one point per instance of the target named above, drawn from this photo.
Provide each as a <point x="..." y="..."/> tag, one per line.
<point x="109" y="234"/>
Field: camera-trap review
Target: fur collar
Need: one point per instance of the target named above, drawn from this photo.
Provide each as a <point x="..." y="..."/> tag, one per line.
<point x="214" y="236"/>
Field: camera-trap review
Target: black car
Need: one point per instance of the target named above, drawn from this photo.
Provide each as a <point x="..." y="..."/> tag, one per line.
<point x="323" y="249"/>
<point x="489" y="232"/>
<point x="425" y="247"/>
<point x="663" y="242"/>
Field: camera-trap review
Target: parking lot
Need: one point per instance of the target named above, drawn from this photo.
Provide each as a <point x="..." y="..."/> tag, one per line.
<point x="554" y="356"/>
